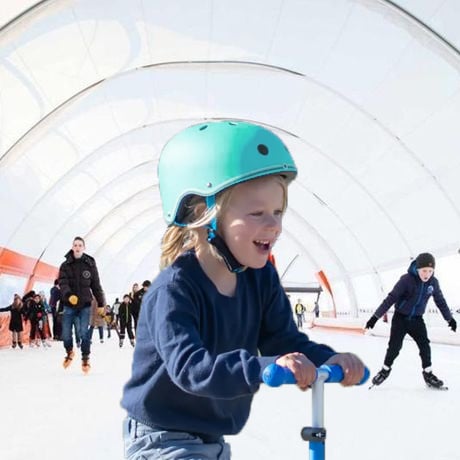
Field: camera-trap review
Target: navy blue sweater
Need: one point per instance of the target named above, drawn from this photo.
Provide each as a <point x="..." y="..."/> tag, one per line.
<point x="410" y="296"/>
<point x="199" y="354"/>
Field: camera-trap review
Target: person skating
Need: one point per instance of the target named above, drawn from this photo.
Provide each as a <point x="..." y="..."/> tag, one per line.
<point x="136" y="301"/>
<point x="35" y="314"/>
<point x="300" y="312"/>
<point x="410" y="296"/>
<point x="217" y="313"/>
<point x="79" y="282"/>
<point x="16" y="327"/>
<point x="125" y="321"/>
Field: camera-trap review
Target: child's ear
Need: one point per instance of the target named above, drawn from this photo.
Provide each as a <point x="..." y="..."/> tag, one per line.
<point x="199" y="210"/>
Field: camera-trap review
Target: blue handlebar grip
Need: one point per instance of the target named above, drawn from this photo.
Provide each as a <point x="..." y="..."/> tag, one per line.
<point x="274" y="375"/>
<point x="335" y="373"/>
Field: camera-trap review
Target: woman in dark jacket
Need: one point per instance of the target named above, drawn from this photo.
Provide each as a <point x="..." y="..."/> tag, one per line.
<point x="410" y="296"/>
<point x="16" y="328"/>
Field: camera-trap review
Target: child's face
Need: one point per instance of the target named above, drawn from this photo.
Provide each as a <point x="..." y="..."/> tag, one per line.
<point x="252" y="221"/>
<point x="425" y="273"/>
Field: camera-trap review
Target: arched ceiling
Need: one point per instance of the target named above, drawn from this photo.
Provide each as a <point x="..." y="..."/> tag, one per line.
<point x="365" y="93"/>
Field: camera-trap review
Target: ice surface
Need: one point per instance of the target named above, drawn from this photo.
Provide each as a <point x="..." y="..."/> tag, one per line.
<point x="49" y="413"/>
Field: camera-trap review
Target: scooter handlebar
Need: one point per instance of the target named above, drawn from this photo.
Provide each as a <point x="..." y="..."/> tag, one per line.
<point x="275" y="375"/>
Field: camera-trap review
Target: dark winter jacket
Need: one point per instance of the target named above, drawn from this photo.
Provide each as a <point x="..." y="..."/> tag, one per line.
<point x="36" y="311"/>
<point x="80" y="277"/>
<point x="410" y="296"/>
<point x="137" y="301"/>
<point x="16" y="317"/>
<point x="124" y="313"/>
<point x="55" y="297"/>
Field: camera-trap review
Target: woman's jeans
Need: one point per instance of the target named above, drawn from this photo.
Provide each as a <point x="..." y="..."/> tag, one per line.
<point x="144" y="443"/>
<point x="72" y="315"/>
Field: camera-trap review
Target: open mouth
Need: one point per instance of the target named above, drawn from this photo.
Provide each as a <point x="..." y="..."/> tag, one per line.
<point x="263" y="244"/>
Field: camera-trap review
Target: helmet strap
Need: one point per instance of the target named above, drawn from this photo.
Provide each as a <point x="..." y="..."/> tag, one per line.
<point x="218" y="242"/>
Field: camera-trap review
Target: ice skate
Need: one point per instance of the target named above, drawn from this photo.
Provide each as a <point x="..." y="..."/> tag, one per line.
<point x="20" y="345"/>
<point x="121" y="343"/>
<point x="14" y="345"/>
<point x="85" y="366"/>
<point x="433" y="382"/>
<point x="68" y="359"/>
<point x="132" y="342"/>
<point x="380" y="377"/>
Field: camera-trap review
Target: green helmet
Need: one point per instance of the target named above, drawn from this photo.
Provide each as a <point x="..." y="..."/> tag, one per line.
<point x="207" y="158"/>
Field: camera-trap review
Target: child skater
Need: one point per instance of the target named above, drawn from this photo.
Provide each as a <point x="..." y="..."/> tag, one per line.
<point x="125" y="320"/>
<point x="15" y="326"/>
<point x="216" y="315"/>
<point x="410" y="296"/>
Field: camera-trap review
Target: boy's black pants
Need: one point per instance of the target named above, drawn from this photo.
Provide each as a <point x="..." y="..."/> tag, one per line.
<point x="415" y="327"/>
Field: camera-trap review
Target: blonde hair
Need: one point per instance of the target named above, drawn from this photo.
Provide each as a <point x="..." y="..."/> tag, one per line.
<point x="178" y="239"/>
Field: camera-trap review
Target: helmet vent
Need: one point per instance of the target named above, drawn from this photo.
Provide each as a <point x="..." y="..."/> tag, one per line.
<point x="262" y="149"/>
<point x="202" y="128"/>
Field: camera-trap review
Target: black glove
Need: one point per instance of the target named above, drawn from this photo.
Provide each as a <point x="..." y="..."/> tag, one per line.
<point x="452" y="324"/>
<point x="371" y="323"/>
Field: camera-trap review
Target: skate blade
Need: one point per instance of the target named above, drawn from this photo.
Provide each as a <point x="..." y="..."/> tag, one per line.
<point x="443" y="388"/>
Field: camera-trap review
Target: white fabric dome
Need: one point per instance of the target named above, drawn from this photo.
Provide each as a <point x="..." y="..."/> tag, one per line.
<point x="365" y="93"/>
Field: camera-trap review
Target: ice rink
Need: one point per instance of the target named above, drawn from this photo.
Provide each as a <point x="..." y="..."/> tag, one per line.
<point x="49" y="413"/>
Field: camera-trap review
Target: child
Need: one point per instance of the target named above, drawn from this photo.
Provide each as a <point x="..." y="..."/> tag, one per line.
<point x="125" y="320"/>
<point x="217" y="314"/>
<point x="15" y="326"/>
<point x="410" y="296"/>
<point x="36" y="314"/>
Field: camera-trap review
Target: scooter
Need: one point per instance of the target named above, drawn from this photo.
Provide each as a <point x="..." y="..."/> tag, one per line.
<point x="274" y="376"/>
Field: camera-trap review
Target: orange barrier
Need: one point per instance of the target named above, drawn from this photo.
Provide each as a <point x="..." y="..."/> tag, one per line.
<point x="17" y="264"/>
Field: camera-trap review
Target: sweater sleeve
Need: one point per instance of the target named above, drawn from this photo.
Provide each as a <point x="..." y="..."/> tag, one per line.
<point x="188" y="361"/>
<point x="64" y="282"/>
<point x="440" y="301"/>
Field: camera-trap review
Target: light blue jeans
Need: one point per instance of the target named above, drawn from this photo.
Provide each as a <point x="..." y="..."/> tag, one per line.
<point x="145" y="443"/>
<point x="80" y="317"/>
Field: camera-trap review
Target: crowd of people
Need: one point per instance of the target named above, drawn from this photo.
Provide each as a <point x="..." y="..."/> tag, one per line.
<point x="37" y="319"/>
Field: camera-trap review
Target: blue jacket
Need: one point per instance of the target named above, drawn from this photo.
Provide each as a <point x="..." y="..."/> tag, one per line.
<point x="199" y="354"/>
<point x="410" y="296"/>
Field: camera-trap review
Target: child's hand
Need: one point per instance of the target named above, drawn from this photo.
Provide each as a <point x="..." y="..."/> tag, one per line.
<point x="303" y="369"/>
<point x="352" y="366"/>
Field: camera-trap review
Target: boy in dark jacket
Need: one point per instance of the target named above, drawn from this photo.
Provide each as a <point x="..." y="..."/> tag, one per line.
<point x="410" y="296"/>
<point x="79" y="281"/>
